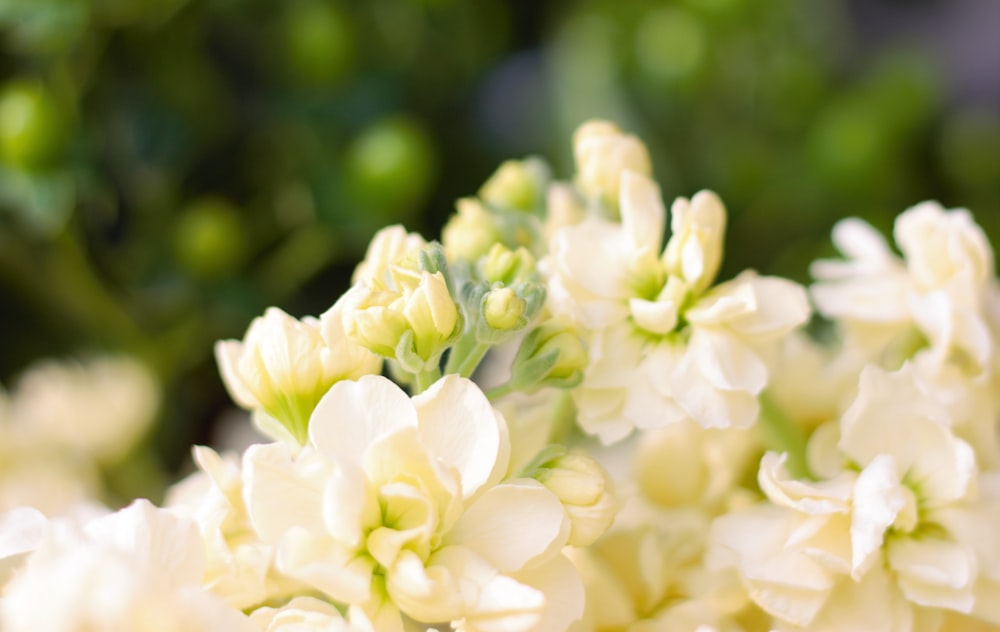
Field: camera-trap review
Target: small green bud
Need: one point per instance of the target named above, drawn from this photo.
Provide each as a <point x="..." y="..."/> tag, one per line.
<point x="551" y="355"/>
<point x="502" y="265"/>
<point x="471" y="232"/>
<point x="518" y="185"/>
<point x="503" y="309"/>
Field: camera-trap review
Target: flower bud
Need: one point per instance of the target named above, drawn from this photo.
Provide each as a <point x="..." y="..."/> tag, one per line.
<point x="388" y="246"/>
<point x="503" y="309"/>
<point x="585" y="491"/>
<point x="431" y="314"/>
<point x="284" y="366"/>
<point x="602" y="153"/>
<point x="694" y="251"/>
<point x="518" y="185"/>
<point x="373" y="322"/>
<point x="471" y="232"/>
<point x="551" y="355"/>
<point x="502" y="265"/>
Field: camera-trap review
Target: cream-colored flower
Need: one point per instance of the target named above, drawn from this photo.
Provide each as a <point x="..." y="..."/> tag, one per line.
<point x="663" y="346"/>
<point x="939" y="288"/>
<point x="908" y="504"/>
<point x="647" y="574"/>
<point x="603" y="154"/>
<point x="283" y="366"/>
<point x="387" y="248"/>
<point x="394" y="505"/>
<point x="308" y="614"/>
<point x="239" y="567"/>
<point x="98" y="408"/>
<point x="139" y="569"/>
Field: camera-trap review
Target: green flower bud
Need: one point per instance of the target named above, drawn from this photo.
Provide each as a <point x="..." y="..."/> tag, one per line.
<point x="471" y="232"/>
<point x="551" y="355"/>
<point x="503" y="309"/>
<point x="502" y="265"/>
<point x="517" y="185"/>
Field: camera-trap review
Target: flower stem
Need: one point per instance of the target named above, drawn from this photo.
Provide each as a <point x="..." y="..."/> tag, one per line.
<point x="425" y="379"/>
<point x="465" y="356"/>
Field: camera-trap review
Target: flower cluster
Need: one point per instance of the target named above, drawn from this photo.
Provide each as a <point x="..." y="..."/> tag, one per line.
<point x="558" y="419"/>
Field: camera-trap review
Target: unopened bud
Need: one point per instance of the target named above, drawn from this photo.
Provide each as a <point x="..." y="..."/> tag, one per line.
<point x="471" y="232"/>
<point x="518" y="185"/>
<point x="503" y="309"/>
<point x="585" y="491"/>
<point x="551" y="355"/>
<point x="603" y="152"/>
<point x="502" y="265"/>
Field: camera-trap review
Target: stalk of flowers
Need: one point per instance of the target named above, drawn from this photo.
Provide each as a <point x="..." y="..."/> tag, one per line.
<point x="559" y="419"/>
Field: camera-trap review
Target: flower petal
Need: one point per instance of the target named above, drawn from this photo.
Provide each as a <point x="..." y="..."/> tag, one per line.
<point x="459" y="427"/>
<point x="353" y="415"/>
<point x="512" y="524"/>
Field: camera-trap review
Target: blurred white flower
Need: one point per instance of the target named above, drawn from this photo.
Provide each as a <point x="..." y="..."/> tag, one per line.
<point x="98" y="407"/>
<point x="939" y="288"/>
<point x="139" y="569"/>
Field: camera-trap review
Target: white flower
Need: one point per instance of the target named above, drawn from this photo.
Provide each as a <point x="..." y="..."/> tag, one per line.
<point x="394" y="505"/>
<point x="939" y="288"/>
<point x="308" y="614"/>
<point x="283" y="366"/>
<point x="387" y="247"/>
<point x="908" y="504"/>
<point x="663" y="347"/>
<point x="239" y="567"/>
<point x="99" y="407"/>
<point x="139" y="569"/>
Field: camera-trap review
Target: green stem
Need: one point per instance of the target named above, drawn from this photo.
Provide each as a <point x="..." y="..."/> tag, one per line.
<point x="465" y="356"/>
<point x="782" y="435"/>
<point x="424" y="379"/>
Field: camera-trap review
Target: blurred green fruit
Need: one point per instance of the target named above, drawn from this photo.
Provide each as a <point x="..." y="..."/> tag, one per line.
<point x="209" y="240"/>
<point x="319" y="42"/>
<point x="670" y="44"/>
<point x="34" y="128"/>
<point x="390" y="167"/>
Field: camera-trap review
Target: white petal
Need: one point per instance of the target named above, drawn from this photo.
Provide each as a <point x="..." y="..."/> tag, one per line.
<point x="324" y="564"/>
<point x="21" y="530"/>
<point x="857" y="239"/>
<point x="459" y="427"/>
<point x="878" y="498"/>
<point x="824" y="497"/>
<point x="933" y="572"/>
<point x="512" y="524"/>
<point x="277" y="496"/>
<point x="781" y="306"/>
<point x="353" y="415"/>
<point x="156" y="540"/>
<point x="642" y="211"/>
<point x="227" y="356"/>
<point x="658" y="317"/>
<point x="559" y="581"/>
<point x="726" y="362"/>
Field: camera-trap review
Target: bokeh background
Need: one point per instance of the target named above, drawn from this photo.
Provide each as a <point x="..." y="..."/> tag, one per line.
<point x="169" y="168"/>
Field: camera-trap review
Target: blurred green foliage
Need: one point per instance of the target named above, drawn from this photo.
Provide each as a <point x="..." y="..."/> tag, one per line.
<point x="169" y="168"/>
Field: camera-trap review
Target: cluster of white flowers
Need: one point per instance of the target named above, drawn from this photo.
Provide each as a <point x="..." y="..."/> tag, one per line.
<point x="558" y="420"/>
